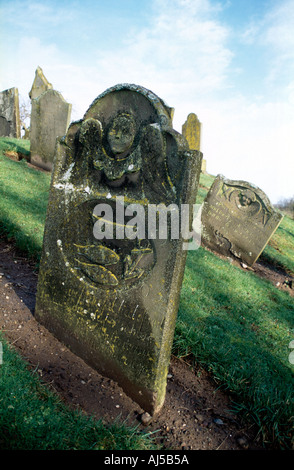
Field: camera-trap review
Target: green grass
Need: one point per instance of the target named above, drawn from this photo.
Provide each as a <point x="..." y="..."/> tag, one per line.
<point x="280" y="249"/>
<point x="204" y="184"/>
<point x="24" y="196"/>
<point x="231" y="322"/>
<point x="34" y="418"/>
<point x="239" y="327"/>
<point x="15" y="145"/>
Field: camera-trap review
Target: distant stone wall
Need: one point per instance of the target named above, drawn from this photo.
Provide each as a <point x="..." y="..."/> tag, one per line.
<point x="9" y="113"/>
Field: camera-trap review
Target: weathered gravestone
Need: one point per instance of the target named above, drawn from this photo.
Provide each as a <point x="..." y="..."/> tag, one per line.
<point x="191" y="130"/>
<point x="50" y="118"/>
<point x="238" y="219"/>
<point x="113" y="300"/>
<point x="40" y="84"/>
<point x="9" y="113"/>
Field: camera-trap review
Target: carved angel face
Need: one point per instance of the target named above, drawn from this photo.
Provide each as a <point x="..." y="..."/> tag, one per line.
<point x="121" y="134"/>
<point x="246" y="198"/>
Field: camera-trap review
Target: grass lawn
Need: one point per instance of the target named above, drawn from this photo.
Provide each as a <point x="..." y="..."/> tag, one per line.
<point x="280" y="249"/>
<point x="33" y="418"/>
<point x="239" y="327"/>
<point x="24" y="196"/>
<point x="231" y="322"/>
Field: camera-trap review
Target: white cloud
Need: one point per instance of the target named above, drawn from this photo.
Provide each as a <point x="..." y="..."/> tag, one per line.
<point x="183" y="55"/>
<point x="251" y="142"/>
<point x="274" y="32"/>
<point x="279" y="23"/>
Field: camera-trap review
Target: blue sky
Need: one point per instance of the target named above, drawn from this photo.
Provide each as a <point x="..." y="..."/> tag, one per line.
<point x="229" y="61"/>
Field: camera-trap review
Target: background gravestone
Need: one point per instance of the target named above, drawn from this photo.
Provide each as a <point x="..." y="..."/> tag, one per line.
<point x="114" y="301"/>
<point x="191" y="130"/>
<point x="50" y="118"/>
<point x="238" y="219"/>
<point x="9" y="113"/>
<point x="40" y="84"/>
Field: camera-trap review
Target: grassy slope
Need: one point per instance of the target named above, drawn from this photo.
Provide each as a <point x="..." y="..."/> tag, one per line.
<point x="280" y="249"/>
<point x="235" y="324"/>
<point x="239" y="327"/>
<point x="24" y="197"/>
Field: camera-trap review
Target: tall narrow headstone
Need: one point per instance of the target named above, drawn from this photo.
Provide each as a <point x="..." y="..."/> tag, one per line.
<point x="191" y="130"/>
<point x="50" y="118"/>
<point x="40" y="84"/>
<point x="238" y="219"/>
<point x="111" y="272"/>
<point x="9" y="113"/>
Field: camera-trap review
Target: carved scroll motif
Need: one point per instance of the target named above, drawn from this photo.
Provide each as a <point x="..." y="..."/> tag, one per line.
<point x="247" y="202"/>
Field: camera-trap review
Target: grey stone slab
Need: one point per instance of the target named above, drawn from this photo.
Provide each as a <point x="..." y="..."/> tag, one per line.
<point x="50" y="118"/>
<point x="9" y="113"/>
<point x="114" y="300"/>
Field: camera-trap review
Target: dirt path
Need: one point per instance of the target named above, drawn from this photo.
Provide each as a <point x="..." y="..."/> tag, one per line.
<point x="195" y="414"/>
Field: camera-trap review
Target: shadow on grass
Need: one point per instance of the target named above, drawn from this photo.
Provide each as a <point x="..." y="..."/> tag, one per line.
<point x="16" y="145"/>
<point x="24" y="198"/>
<point x="27" y="203"/>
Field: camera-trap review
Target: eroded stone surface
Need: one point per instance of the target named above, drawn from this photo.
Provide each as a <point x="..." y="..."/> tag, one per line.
<point x="191" y="130"/>
<point x="238" y="219"/>
<point x="9" y="113"/>
<point x="40" y="84"/>
<point x="50" y="118"/>
<point x="114" y="301"/>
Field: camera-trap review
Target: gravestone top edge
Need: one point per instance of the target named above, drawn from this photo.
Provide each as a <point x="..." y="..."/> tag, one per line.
<point x="246" y="185"/>
<point x="148" y="94"/>
<point x="48" y="92"/>
<point x="40" y="74"/>
<point x="15" y="89"/>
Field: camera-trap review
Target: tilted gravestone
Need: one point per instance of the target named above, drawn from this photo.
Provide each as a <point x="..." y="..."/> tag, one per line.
<point x="238" y="219"/>
<point x="50" y="118"/>
<point x="191" y="130"/>
<point x="9" y="113"/>
<point x="110" y="277"/>
<point x="40" y="84"/>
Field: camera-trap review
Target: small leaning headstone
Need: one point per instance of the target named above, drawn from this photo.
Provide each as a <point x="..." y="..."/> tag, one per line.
<point x="238" y="219"/>
<point x="106" y="289"/>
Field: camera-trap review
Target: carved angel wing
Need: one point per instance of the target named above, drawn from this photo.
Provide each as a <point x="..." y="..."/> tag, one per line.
<point x="154" y="159"/>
